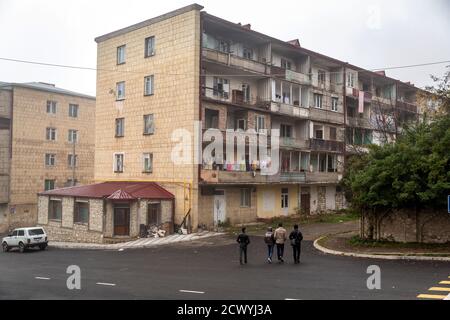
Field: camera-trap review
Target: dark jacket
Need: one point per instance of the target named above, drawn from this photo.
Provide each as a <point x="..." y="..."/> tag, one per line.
<point x="269" y="239"/>
<point x="243" y="240"/>
<point x="296" y="237"/>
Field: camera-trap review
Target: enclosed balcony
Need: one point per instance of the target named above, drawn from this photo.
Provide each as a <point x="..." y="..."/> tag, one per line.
<point x="327" y="145"/>
<point x="231" y="60"/>
<point x="290" y="75"/>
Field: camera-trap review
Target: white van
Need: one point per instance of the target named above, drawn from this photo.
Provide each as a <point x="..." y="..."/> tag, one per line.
<point x="24" y="238"/>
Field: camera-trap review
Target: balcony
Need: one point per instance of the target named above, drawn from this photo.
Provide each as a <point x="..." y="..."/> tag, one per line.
<point x="326" y="115"/>
<point x="236" y="177"/>
<point x="327" y="145"/>
<point x="359" y="122"/>
<point x="290" y="110"/>
<point x="290" y="75"/>
<point x="234" y="61"/>
<point x="236" y="98"/>
<point x="310" y="177"/>
<point x="407" y="106"/>
<point x="294" y="143"/>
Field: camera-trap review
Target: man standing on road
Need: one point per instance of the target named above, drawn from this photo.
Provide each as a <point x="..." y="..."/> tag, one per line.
<point x="280" y="239"/>
<point x="296" y="238"/>
<point x="270" y="241"/>
<point x="243" y="241"/>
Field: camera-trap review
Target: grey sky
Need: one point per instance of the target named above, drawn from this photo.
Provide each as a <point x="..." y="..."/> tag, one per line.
<point x="370" y="34"/>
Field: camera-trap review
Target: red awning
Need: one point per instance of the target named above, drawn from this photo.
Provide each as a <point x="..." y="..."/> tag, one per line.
<point x="128" y="190"/>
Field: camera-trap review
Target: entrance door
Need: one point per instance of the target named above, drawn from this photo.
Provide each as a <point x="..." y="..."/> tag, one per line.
<point x="305" y="202"/>
<point x="153" y="214"/>
<point x="219" y="207"/>
<point x="121" y="221"/>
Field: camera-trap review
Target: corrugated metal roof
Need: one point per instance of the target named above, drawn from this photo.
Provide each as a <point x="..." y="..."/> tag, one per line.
<point x="135" y="190"/>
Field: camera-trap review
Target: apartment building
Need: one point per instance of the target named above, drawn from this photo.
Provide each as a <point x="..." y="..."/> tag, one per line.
<point x="46" y="142"/>
<point x="186" y="68"/>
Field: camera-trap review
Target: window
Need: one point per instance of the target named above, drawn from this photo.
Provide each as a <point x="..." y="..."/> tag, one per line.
<point x="73" y="136"/>
<point x="73" y="110"/>
<point x="147" y="159"/>
<point x="284" y="198"/>
<point x="221" y="87"/>
<point x="21" y="233"/>
<point x="81" y="212"/>
<point x="245" y="198"/>
<point x="118" y="162"/>
<point x="332" y="163"/>
<point x="71" y="183"/>
<point x="318" y="132"/>
<point x="51" y="134"/>
<point x="120" y="122"/>
<point x="49" y="185"/>
<point x="224" y="46"/>
<point x="55" y="209"/>
<point x="148" y="85"/>
<point x="72" y="160"/>
<point x="242" y="124"/>
<point x="246" y="92"/>
<point x="350" y="80"/>
<point x="318" y="100"/>
<point x="285" y="131"/>
<point x="50" y="159"/>
<point x="260" y="123"/>
<point x="334" y="104"/>
<point x="121" y="54"/>
<point x="149" y="47"/>
<point x="149" y="124"/>
<point x="285" y="64"/>
<point x="153" y="214"/>
<point x="333" y="133"/>
<point x="51" y="107"/>
<point x="321" y="77"/>
<point x="120" y="90"/>
<point x="248" y="54"/>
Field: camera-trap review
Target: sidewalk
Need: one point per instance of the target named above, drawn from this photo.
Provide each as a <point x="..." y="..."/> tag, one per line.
<point x="136" y="244"/>
<point x="339" y="244"/>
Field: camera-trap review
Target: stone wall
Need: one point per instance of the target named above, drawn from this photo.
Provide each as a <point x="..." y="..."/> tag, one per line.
<point x="68" y="231"/>
<point x="428" y="226"/>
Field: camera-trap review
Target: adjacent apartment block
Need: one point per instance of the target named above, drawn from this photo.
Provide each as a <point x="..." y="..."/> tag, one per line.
<point x="171" y="73"/>
<point x="46" y="142"/>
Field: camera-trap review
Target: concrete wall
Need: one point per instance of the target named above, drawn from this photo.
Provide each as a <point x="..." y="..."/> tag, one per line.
<point x="403" y="226"/>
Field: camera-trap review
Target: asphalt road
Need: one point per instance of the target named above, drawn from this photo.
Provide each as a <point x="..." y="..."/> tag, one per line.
<point x="209" y="270"/>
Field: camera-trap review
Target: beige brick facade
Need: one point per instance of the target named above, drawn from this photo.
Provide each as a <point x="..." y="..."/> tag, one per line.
<point x="23" y="175"/>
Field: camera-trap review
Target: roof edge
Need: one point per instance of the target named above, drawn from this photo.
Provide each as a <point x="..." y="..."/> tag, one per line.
<point x="149" y="22"/>
<point x="64" y="93"/>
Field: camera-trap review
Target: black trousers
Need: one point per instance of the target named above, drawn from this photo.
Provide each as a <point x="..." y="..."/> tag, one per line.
<point x="296" y="250"/>
<point x="243" y="254"/>
<point x="280" y="250"/>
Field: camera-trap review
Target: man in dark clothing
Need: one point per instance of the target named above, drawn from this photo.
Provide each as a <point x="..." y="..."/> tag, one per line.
<point x="296" y="238"/>
<point x="243" y="241"/>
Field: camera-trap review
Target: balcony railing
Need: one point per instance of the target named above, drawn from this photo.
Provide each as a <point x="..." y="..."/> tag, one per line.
<point x="294" y="143"/>
<point x="359" y="122"/>
<point x="290" y="75"/>
<point x="407" y="106"/>
<point x="236" y="97"/>
<point x="235" y="61"/>
<point x="326" y="115"/>
<point x="327" y="145"/>
<point x="290" y="110"/>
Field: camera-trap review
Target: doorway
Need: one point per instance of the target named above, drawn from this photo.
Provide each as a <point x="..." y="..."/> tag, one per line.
<point x="122" y="220"/>
<point x="219" y="207"/>
<point x="154" y="214"/>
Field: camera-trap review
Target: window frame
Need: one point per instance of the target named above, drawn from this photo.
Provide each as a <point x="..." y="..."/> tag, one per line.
<point x="246" y="198"/>
<point x="120" y="134"/>
<point x="72" y="160"/>
<point x="148" y="54"/>
<point x="51" y="106"/>
<point x="52" y="181"/>
<point x="334" y="104"/>
<point x="118" y="56"/>
<point x="144" y="158"/>
<point x="51" y="209"/>
<point x="50" y="156"/>
<point x="73" y="106"/>
<point x="115" y="167"/>
<point x="152" y="78"/>
<point x="51" y="134"/>
<point x="122" y="97"/>
<point x="319" y="99"/>
<point x="76" y="212"/>
<point x="146" y="117"/>
<point x="71" y="134"/>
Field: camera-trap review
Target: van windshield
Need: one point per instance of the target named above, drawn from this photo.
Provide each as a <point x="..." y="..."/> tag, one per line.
<point x="35" y="232"/>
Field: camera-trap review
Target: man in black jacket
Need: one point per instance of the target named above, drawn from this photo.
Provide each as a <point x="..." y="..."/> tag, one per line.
<point x="296" y="238"/>
<point x="243" y="241"/>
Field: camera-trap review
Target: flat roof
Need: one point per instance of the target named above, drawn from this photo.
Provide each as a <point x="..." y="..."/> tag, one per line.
<point x="125" y="190"/>
<point x="46" y="87"/>
<point x="149" y="22"/>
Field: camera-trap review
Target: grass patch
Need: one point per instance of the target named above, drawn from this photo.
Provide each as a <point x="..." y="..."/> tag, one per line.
<point x="290" y="221"/>
<point x="357" y="241"/>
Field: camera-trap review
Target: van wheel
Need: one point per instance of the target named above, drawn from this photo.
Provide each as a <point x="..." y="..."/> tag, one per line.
<point x="21" y="247"/>
<point x="43" y="247"/>
<point x="5" y="247"/>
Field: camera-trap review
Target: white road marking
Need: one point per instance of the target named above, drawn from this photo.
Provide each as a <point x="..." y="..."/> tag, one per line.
<point x="121" y="249"/>
<point x="448" y="297"/>
<point x="106" y="284"/>
<point x="189" y="291"/>
<point x="291" y="299"/>
<point x="41" y="278"/>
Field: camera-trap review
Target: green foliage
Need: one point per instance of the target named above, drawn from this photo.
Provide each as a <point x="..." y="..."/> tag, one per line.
<point x="413" y="172"/>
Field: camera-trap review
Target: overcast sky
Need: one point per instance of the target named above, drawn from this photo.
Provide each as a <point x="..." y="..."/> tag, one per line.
<point x="370" y="34"/>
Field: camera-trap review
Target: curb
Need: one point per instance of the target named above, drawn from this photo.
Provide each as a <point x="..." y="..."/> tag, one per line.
<point x="375" y="256"/>
<point x="125" y="245"/>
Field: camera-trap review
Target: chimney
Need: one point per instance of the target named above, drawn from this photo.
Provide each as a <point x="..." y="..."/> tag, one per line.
<point x="247" y="26"/>
<point x="381" y="73"/>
